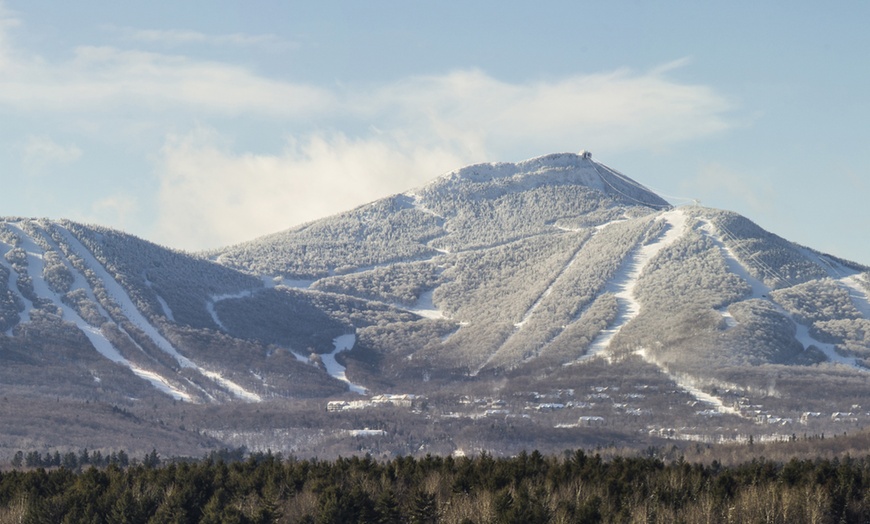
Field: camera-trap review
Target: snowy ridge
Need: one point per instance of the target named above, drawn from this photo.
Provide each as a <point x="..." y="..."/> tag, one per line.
<point x="623" y="284"/>
<point x="559" y="168"/>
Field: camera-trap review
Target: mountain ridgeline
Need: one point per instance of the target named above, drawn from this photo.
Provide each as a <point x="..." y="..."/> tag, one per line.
<point x="541" y="275"/>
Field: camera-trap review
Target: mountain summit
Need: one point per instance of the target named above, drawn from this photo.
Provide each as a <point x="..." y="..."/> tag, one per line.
<point x="554" y="278"/>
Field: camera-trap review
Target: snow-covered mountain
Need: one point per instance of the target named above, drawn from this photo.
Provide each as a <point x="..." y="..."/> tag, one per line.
<point x="546" y="273"/>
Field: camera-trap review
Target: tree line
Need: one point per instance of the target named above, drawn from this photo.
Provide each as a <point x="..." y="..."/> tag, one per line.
<point x="528" y="488"/>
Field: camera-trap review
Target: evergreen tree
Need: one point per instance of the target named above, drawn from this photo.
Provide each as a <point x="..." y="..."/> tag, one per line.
<point x="387" y="508"/>
<point x="18" y="460"/>
<point x="424" y="508"/>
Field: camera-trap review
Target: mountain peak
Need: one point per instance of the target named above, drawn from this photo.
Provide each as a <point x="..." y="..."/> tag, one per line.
<point x="552" y="169"/>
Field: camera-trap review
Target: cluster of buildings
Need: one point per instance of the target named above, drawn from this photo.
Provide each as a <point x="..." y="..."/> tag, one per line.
<point x="378" y="401"/>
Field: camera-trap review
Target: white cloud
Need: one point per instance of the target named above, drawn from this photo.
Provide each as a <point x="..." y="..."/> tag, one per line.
<point x="210" y="198"/>
<point x="103" y="80"/>
<point x="618" y="110"/>
<point x="40" y="152"/>
<point x="8" y="20"/>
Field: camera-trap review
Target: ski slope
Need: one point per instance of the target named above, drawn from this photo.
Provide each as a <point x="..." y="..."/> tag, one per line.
<point x="12" y="286"/>
<point x="35" y="267"/>
<point x="623" y="283"/>
<point x="336" y="370"/>
<point x="761" y="291"/>
<point x="132" y="313"/>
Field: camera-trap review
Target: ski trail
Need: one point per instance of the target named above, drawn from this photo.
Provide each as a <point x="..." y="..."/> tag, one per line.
<point x="425" y="307"/>
<point x="858" y="294"/>
<point x="12" y="286"/>
<point x="685" y="383"/>
<point x="761" y="291"/>
<point x="123" y="300"/>
<point x="35" y="266"/>
<point x="623" y="283"/>
<point x="167" y="311"/>
<point x="848" y="278"/>
<point x="268" y="283"/>
<point x="416" y="202"/>
<point x="336" y="370"/>
<point x="534" y="307"/>
<point x="132" y="313"/>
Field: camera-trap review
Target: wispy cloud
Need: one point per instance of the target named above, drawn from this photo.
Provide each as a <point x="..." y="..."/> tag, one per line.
<point x="210" y="197"/>
<point x="117" y="210"/>
<point x="8" y="21"/>
<point x="617" y="109"/>
<point x="99" y="80"/>
<point x="40" y="152"/>
<point x="179" y="37"/>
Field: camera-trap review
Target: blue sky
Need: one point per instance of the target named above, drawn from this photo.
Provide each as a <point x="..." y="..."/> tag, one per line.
<point x="199" y="124"/>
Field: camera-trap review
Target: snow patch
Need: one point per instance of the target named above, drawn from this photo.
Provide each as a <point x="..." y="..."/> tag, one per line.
<point x="292" y="283"/>
<point x="336" y="370"/>
<point x="161" y="384"/>
<point x="426" y="308"/>
<point x="366" y="432"/>
<point x="237" y="390"/>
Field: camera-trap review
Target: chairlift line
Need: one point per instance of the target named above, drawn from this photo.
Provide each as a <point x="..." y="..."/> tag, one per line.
<point x="673" y="198"/>
<point x="624" y="179"/>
